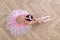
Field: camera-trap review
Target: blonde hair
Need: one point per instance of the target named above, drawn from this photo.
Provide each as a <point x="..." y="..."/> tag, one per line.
<point x="20" y="19"/>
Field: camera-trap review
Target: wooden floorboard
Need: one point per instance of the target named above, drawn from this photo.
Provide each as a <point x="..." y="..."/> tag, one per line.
<point x="48" y="31"/>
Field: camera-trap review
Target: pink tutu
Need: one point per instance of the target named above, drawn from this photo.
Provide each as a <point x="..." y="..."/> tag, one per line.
<point x="15" y="28"/>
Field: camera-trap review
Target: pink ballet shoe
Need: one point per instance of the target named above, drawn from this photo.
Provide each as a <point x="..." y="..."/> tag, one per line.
<point x="45" y="19"/>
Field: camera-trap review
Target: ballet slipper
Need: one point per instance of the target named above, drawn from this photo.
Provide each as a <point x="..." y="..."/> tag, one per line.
<point x="45" y="19"/>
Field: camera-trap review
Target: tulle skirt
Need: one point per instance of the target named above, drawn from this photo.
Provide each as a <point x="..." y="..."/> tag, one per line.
<point x="15" y="28"/>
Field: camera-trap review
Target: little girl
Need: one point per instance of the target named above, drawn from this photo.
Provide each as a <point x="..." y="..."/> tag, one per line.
<point x="20" y="21"/>
<point x="29" y="19"/>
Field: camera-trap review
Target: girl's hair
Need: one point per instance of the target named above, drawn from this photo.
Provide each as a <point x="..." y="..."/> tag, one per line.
<point x="29" y="17"/>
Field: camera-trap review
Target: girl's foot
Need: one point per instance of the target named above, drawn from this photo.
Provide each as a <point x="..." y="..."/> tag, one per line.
<point x="45" y="19"/>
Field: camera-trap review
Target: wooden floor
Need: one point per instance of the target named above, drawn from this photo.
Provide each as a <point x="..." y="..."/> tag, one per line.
<point x="48" y="31"/>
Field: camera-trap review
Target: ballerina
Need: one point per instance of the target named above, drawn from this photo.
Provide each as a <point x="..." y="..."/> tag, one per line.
<point x="20" y="21"/>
